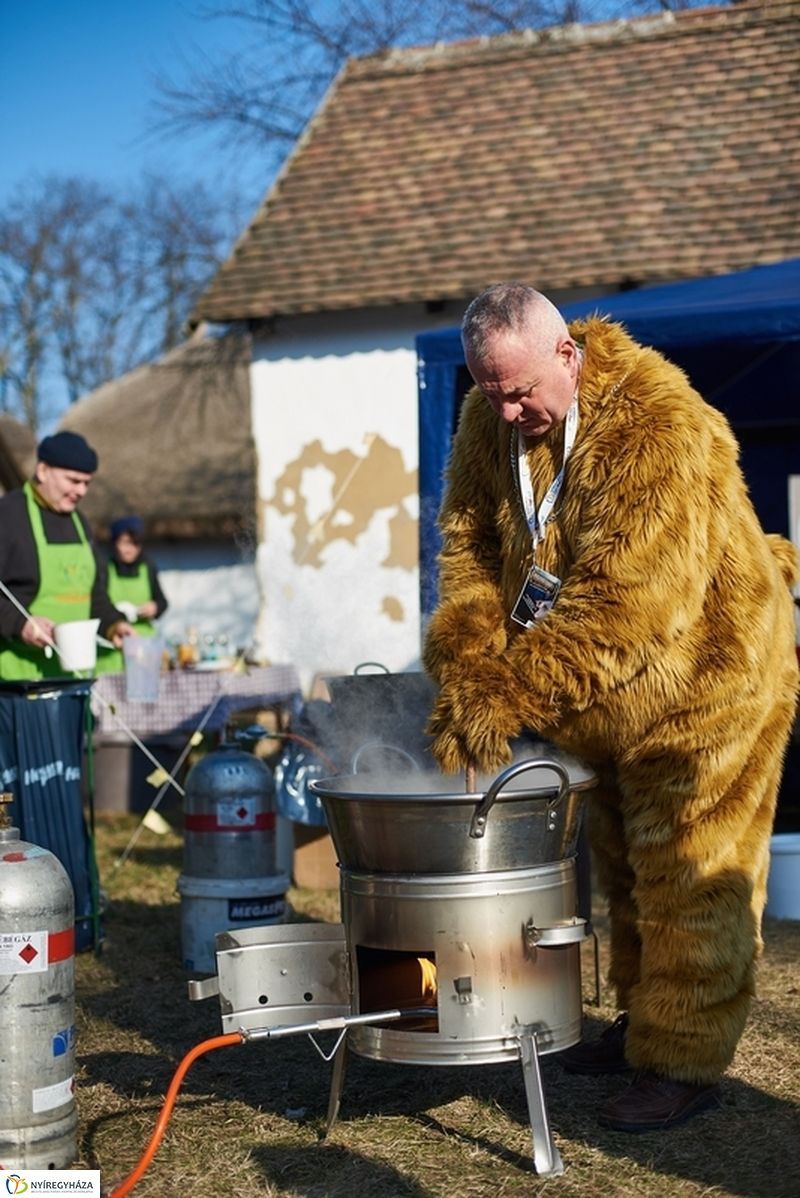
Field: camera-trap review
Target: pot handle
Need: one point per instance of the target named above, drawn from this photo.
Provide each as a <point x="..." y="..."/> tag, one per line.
<point x="477" y="825"/>
<point x="568" y="931"/>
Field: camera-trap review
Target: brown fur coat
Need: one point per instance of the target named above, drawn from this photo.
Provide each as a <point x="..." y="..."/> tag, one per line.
<point x="668" y="663"/>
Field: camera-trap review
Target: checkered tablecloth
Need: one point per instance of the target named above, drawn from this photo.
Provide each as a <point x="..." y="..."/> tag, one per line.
<point x="185" y="697"/>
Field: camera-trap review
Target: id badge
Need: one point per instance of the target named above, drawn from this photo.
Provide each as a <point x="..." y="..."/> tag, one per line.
<point x="536" y="597"/>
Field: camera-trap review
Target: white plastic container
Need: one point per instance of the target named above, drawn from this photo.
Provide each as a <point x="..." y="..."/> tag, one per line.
<point x="143" y="656"/>
<point x="76" y="641"/>
<point x="783" y="885"/>
<point x="211" y="905"/>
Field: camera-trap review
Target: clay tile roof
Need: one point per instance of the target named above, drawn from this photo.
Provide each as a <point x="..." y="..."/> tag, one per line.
<point x="651" y="149"/>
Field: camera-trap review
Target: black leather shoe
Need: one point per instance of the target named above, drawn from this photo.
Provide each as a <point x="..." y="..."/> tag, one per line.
<point x="655" y="1103"/>
<point x="605" y="1055"/>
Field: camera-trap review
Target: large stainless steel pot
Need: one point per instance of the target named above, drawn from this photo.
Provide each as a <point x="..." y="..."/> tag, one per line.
<point x="417" y="822"/>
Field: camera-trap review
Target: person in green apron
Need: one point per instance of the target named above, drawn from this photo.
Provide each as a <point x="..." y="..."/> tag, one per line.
<point x="133" y="586"/>
<point x="48" y="562"/>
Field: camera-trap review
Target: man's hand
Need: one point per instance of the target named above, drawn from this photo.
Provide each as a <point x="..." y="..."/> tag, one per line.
<point x="38" y="631"/>
<point x="148" y="610"/>
<point x="117" y="633"/>
<point x="475" y="715"/>
<point x="447" y="748"/>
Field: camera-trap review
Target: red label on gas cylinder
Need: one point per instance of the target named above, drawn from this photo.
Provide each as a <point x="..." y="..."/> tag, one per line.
<point x="232" y="815"/>
<point x="23" y="952"/>
<point x="32" y="952"/>
<point x="60" y="946"/>
<point x="236" y="813"/>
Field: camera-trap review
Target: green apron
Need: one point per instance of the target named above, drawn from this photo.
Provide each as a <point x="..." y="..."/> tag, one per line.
<point x="66" y="578"/>
<point x="135" y="589"/>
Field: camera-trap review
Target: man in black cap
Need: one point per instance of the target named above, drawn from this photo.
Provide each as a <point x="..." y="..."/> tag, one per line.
<point x="48" y="561"/>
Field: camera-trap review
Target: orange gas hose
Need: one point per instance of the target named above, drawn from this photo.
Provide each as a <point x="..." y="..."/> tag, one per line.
<point x="204" y="1046"/>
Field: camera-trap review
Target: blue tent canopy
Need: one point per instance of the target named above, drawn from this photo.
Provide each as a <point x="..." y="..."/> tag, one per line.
<point x="758" y="305"/>
<point x="738" y="338"/>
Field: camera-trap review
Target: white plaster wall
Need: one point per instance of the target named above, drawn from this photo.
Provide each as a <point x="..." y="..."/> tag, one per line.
<point x="211" y="586"/>
<point x="340" y="380"/>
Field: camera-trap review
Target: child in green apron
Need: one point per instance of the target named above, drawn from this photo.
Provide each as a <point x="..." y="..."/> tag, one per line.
<point x="133" y="586"/>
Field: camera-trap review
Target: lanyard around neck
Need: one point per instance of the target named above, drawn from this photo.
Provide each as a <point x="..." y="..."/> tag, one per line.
<point x="536" y="519"/>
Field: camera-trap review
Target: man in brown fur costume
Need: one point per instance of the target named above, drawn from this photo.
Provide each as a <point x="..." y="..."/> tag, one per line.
<point x="597" y="498"/>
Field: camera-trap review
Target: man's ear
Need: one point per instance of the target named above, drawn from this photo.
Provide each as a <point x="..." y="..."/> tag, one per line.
<point x="567" y="349"/>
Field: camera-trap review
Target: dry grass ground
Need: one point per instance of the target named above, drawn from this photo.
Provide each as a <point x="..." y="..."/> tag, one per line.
<point x="248" y="1118"/>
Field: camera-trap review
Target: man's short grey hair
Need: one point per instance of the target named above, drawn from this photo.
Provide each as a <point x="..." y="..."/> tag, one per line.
<point x="510" y="308"/>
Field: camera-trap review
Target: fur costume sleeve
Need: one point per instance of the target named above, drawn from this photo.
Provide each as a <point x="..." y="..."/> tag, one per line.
<point x="467" y="635"/>
<point x="470" y="620"/>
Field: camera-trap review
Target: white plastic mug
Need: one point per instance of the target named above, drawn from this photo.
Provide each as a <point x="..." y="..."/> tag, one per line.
<point x="76" y="642"/>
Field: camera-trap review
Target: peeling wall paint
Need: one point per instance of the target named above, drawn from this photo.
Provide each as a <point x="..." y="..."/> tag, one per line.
<point x="334" y="406"/>
<point x="392" y="608"/>
<point x="404" y="537"/>
<point x="335" y="424"/>
<point x="330" y="496"/>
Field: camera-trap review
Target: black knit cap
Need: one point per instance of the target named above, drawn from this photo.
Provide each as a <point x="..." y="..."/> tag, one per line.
<point x="68" y="451"/>
<point x="132" y="525"/>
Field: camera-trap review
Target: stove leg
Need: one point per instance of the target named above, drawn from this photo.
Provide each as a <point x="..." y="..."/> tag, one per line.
<point x="596" y="948"/>
<point x="337" y="1085"/>
<point x="546" y="1158"/>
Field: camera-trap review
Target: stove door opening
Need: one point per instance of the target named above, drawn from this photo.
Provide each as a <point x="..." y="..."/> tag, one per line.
<point x="387" y="979"/>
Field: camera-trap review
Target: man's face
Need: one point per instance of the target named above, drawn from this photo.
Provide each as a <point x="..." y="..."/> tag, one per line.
<point x="127" y="549"/>
<point x="61" y="489"/>
<point x="524" y="387"/>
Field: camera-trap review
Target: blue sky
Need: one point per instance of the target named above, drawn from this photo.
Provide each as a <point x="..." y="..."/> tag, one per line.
<point x="76" y="87"/>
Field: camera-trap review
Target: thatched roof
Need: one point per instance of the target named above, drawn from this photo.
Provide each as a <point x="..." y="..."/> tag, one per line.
<point x="17" y="452"/>
<point x="175" y="443"/>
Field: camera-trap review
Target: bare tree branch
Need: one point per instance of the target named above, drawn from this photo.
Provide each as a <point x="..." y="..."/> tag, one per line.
<point x="93" y="284"/>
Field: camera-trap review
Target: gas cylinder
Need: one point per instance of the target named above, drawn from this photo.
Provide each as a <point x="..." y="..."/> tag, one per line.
<point x="38" y="1119"/>
<point x="229" y="816"/>
<point x="229" y="877"/>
